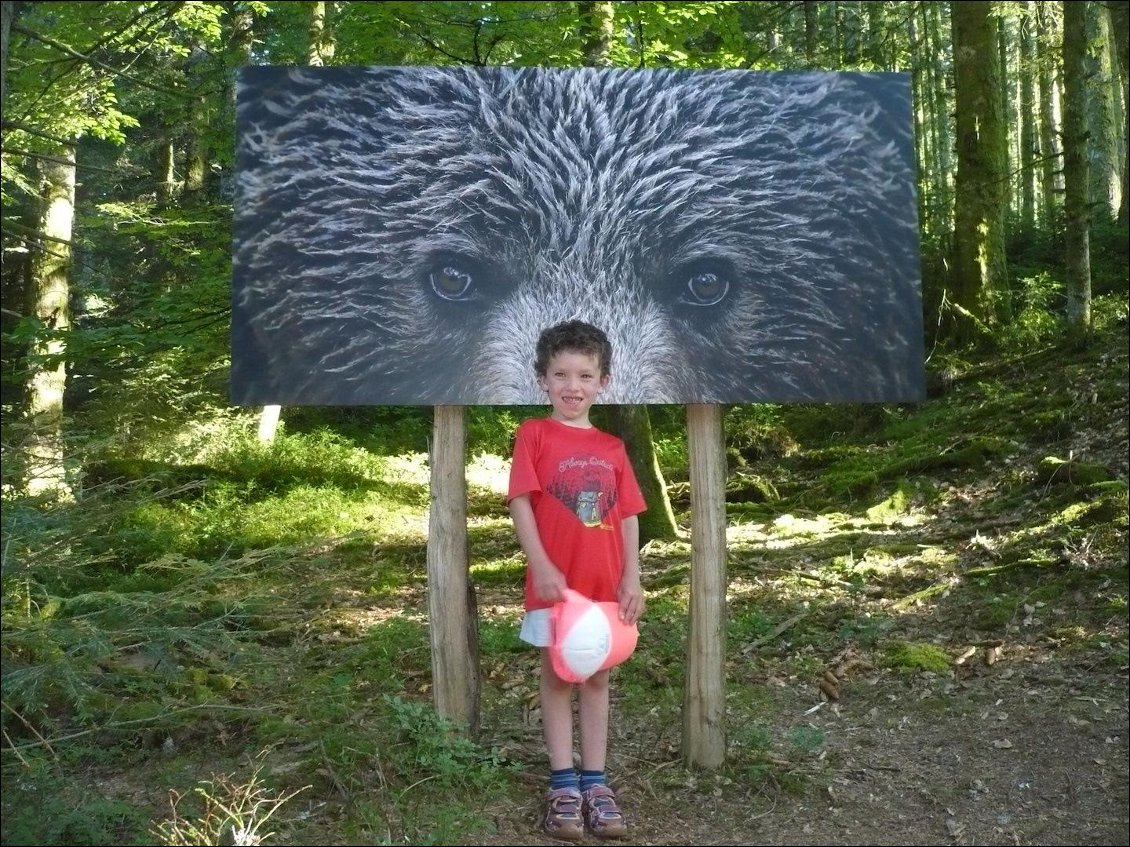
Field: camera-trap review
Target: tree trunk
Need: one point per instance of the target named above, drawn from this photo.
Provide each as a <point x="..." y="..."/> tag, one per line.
<point x="633" y="425"/>
<point x="941" y="128"/>
<point x="836" y="16"/>
<point x="1051" y="152"/>
<point x="877" y="36"/>
<point x="1105" y="115"/>
<point x="7" y="16"/>
<point x="1027" y="125"/>
<point x="1075" y="167"/>
<point x="241" y="36"/>
<point x="811" y="33"/>
<point x="979" y="274"/>
<point x="1120" y="26"/>
<point x="164" y="168"/>
<point x="853" y="29"/>
<point x="923" y="138"/>
<point x="597" y="28"/>
<point x="51" y="292"/>
<point x="195" y="155"/>
<point x="320" y="50"/>
<point x="321" y="46"/>
<point x="269" y="423"/>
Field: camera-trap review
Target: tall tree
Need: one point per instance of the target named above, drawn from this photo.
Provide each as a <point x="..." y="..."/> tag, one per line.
<point x="1120" y="26"/>
<point x="1106" y="118"/>
<point x="811" y="33"/>
<point x="1051" y="152"/>
<point x="322" y="45"/>
<point x="1075" y="168"/>
<point x="1027" y="118"/>
<point x="979" y="275"/>
<point x="938" y="177"/>
<point x="7" y="15"/>
<point x="50" y="289"/>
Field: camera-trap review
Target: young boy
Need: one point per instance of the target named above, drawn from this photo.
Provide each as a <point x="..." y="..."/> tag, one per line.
<point x="574" y="501"/>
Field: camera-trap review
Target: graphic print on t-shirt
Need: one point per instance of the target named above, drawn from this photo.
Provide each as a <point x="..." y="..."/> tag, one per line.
<point x="586" y="486"/>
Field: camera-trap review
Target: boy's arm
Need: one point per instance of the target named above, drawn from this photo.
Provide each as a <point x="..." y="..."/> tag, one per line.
<point x="630" y="594"/>
<point x="548" y="582"/>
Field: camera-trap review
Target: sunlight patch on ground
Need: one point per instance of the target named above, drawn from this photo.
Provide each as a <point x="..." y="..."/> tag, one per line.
<point x="491" y="522"/>
<point x="408" y="467"/>
<point x="740" y="587"/>
<point x="489" y="472"/>
<point x="787" y="524"/>
<point x="506" y="565"/>
<point x="502" y="611"/>
<point x="747" y="532"/>
<point x="363" y="619"/>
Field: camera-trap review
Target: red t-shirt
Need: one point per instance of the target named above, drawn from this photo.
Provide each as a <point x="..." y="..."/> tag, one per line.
<point x="581" y="487"/>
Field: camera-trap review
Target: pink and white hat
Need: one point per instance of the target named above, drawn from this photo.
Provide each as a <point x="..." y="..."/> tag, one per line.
<point x="588" y="637"/>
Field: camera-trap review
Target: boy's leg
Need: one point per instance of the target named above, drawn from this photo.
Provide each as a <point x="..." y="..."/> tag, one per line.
<point x="602" y="815"/>
<point x="563" y="814"/>
<point x="594" y="698"/>
<point x="556" y="715"/>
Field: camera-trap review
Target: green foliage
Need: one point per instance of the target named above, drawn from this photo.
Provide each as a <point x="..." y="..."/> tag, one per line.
<point x="441" y="33"/>
<point x="54" y="94"/>
<point x="383" y="430"/>
<point x="441" y="750"/>
<point x="41" y="807"/>
<point x="686" y="34"/>
<point x="1037" y="319"/>
<point x="490" y="429"/>
<point x="756" y="434"/>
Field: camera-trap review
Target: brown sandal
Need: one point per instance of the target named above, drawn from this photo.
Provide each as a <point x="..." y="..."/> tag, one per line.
<point x="563" y="815"/>
<point x="602" y="816"/>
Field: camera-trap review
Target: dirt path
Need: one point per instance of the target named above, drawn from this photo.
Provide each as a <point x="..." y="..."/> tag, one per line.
<point x="1029" y="751"/>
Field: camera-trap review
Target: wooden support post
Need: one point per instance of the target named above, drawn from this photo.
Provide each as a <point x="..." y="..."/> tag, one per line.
<point x="704" y="703"/>
<point x="452" y="609"/>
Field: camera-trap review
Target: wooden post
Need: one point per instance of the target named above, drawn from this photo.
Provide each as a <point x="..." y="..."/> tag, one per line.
<point x="704" y="703"/>
<point x="452" y="610"/>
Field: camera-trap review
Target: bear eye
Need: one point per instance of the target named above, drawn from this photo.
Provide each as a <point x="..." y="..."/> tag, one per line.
<point x="703" y="282"/>
<point x="706" y="288"/>
<point x="451" y="281"/>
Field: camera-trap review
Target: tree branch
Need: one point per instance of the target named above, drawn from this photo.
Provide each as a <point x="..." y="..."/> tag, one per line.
<point x="59" y="159"/>
<point x="90" y="60"/>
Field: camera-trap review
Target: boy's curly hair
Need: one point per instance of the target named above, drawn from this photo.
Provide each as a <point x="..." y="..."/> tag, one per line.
<point x="575" y="337"/>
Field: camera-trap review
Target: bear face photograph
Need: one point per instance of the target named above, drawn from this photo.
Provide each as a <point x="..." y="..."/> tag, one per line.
<point x="403" y="235"/>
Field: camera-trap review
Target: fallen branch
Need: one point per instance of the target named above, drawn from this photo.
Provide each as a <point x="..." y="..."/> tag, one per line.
<point x="769" y="636"/>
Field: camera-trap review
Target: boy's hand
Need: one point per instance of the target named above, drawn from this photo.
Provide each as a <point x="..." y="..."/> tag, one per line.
<point x="548" y="582"/>
<point x="631" y="598"/>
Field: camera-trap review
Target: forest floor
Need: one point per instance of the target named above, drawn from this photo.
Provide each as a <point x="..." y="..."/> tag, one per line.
<point x="927" y="643"/>
<point x="1030" y="750"/>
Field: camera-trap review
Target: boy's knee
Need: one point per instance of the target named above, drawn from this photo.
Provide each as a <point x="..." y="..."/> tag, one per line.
<point x="597" y="682"/>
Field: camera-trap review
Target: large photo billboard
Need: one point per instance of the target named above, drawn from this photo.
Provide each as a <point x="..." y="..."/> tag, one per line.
<point x="402" y="235"/>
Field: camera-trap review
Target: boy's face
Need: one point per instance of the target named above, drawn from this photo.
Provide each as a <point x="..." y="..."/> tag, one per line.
<point x="573" y="382"/>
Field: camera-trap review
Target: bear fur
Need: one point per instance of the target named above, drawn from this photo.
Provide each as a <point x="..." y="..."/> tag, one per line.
<point x="402" y="235"/>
